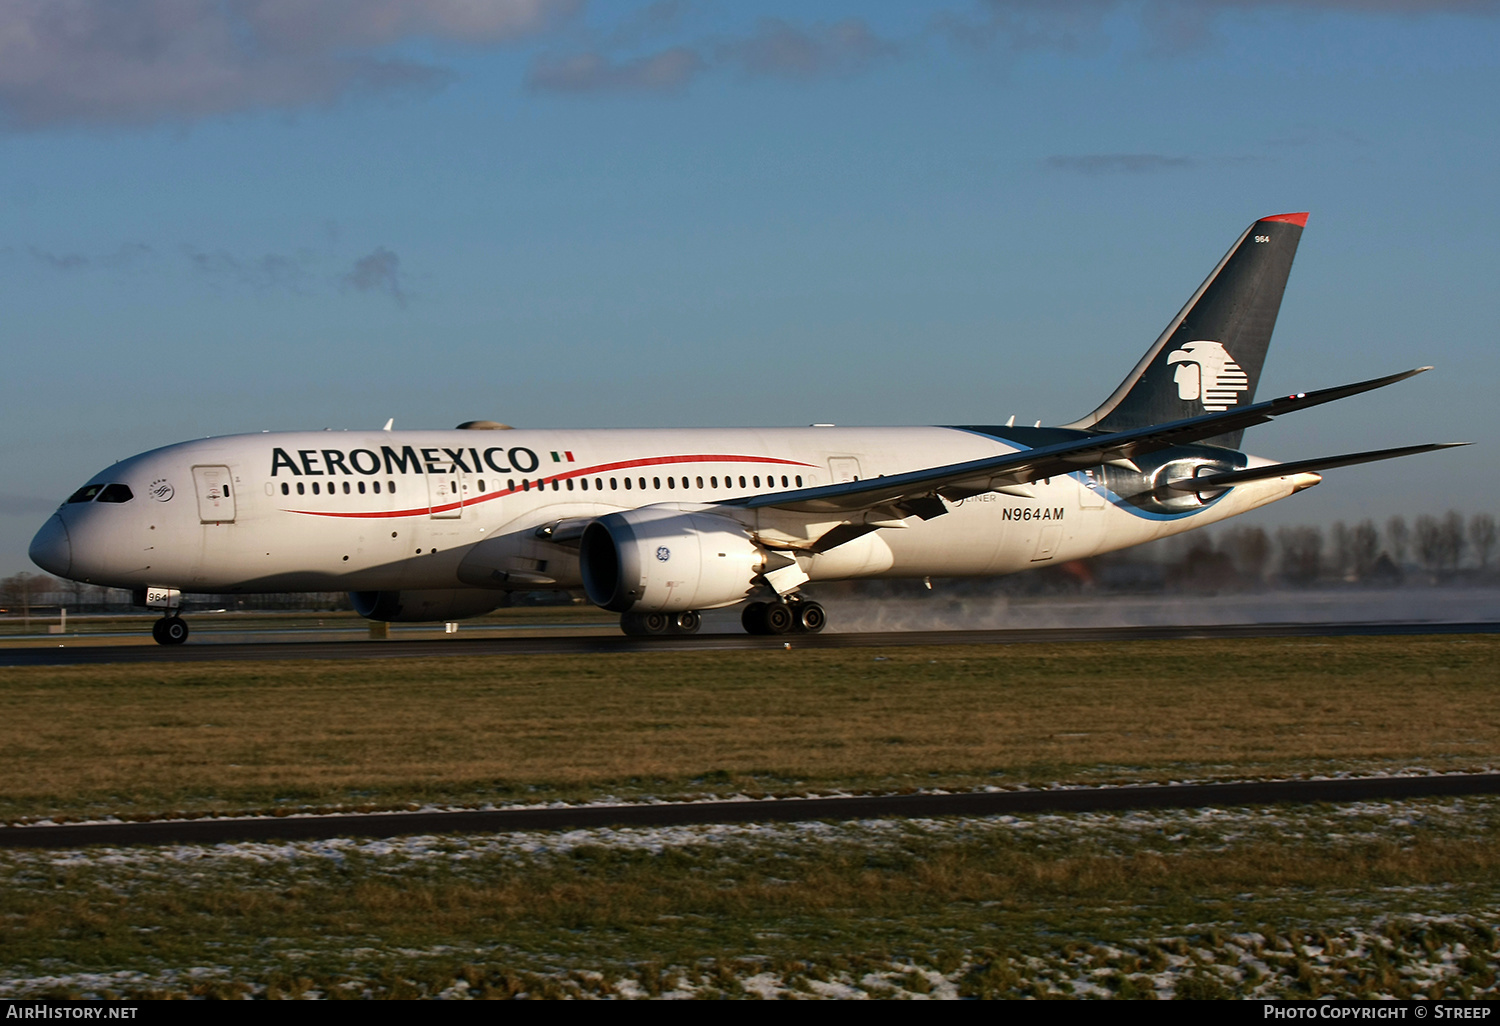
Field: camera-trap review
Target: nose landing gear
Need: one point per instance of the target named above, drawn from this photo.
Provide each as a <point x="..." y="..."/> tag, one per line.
<point x="170" y="630"/>
<point x="792" y="616"/>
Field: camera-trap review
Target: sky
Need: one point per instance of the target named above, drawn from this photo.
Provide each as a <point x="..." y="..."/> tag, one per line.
<point x="220" y="216"/>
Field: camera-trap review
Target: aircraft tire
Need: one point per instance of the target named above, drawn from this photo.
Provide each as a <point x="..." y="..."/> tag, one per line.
<point x="753" y="619"/>
<point x="811" y="618"/>
<point x="779" y="619"/>
<point x="687" y="622"/>
<point x="646" y="625"/>
<point x="156" y="633"/>
<point x="174" y="630"/>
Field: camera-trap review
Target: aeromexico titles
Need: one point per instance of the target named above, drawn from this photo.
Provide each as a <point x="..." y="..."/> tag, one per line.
<point x="658" y="525"/>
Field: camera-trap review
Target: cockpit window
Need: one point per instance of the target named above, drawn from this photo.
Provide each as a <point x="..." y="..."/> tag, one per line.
<point x="86" y="493"/>
<point x="115" y="493"/>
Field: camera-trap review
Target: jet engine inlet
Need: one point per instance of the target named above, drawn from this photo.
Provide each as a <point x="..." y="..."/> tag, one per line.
<point x="661" y="559"/>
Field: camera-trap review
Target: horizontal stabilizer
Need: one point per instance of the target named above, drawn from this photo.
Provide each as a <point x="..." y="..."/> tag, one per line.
<point x="1213" y="482"/>
<point x="1028" y="465"/>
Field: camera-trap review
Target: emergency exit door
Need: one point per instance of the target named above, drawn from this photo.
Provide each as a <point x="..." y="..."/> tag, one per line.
<point x="445" y="492"/>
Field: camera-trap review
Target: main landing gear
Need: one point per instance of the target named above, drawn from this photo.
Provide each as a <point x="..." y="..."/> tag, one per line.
<point x="640" y="625"/>
<point x="170" y="630"/>
<point x="784" y="617"/>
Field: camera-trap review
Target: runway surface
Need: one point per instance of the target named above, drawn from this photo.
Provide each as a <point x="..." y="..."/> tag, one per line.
<point x="789" y="810"/>
<point x="66" y="655"/>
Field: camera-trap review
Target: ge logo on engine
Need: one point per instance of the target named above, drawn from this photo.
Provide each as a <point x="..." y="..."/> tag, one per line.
<point x="663" y="553"/>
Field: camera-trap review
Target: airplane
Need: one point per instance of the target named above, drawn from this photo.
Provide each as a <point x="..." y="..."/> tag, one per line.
<point x="659" y="525"/>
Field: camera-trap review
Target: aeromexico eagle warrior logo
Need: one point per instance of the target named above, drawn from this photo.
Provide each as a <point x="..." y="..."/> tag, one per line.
<point x="1208" y="373"/>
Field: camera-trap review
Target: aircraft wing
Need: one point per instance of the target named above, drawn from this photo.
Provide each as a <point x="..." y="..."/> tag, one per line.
<point x="916" y="493"/>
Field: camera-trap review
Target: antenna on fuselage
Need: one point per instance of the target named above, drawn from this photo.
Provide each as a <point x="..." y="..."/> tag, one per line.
<point x="389" y="424"/>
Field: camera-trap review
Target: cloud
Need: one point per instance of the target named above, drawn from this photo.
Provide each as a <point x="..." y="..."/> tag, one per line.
<point x="1118" y="163"/>
<point x="783" y="50"/>
<point x="665" y="72"/>
<point x="127" y="254"/>
<point x="132" y="62"/>
<point x="379" y="271"/>
<point x="651" y="20"/>
<point x="775" y="49"/>
<point x="65" y="262"/>
<point x="272" y="271"/>
<point x="1167" y="26"/>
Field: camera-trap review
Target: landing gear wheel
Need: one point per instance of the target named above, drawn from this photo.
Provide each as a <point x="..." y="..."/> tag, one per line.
<point x="686" y="623"/>
<point x="811" y="618"/>
<point x="170" y="630"/>
<point x="753" y="619"/>
<point x="779" y="619"/>
<point x="640" y="625"/>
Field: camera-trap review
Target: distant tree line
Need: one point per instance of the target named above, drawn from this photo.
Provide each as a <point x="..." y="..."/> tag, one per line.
<point x="1430" y="549"/>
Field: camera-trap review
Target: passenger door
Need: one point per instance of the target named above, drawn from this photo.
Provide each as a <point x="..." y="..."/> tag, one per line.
<point x="215" y="495"/>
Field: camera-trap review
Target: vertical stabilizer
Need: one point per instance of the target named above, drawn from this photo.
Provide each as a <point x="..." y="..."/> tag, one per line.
<point x="1210" y="356"/>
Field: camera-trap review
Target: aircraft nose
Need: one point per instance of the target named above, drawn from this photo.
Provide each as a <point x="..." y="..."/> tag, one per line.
<point x="50" y="549"/>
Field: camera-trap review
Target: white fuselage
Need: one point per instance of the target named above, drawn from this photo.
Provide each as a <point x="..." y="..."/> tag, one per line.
<point x="383" y="510"/>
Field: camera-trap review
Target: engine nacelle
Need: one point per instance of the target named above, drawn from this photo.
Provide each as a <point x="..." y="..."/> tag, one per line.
<point x="665" y="560"/>
<point x="424" y="606"/>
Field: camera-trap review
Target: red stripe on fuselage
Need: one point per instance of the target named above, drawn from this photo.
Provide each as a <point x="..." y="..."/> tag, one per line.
<point x="603" y="468"/>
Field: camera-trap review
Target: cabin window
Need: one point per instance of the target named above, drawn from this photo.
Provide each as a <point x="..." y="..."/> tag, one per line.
<point x="570" y="484"/>
<point x="669" y="482"/>
<point x="390" y="486"/>
<point x="583" y="483"/>
<point x="301" y="489"/>
<point x="286" y="490"/>
<point x="799" y="480"/>
<point x="656" y="483"/>
<point x="756" y="479"/>
<point x="627" y="483"/>
<point x="315" y="488"/>
<point x="783" y="481"/>
<point x="742" y="480"/>
<point x="642" y="483"/>
<point x="346" y="487"/>
<point x="481" y="484"/>
<point x="713" y="482"/>
<point x="115" y="493"/>
<point x="598" y="484"/>
<point x="511" y="484"/>
<point x="554" y="484"/>
<point x="377" y="487"/>
<point x="525" y="486"/>
<point x="361" y="488"/>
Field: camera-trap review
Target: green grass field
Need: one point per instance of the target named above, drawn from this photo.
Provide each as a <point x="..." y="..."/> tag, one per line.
<point x="150" y="740"/>
<point x="1395" y="898"/>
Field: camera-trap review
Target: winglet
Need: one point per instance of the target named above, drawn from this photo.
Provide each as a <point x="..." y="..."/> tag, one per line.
<point x="1300" y="220"/>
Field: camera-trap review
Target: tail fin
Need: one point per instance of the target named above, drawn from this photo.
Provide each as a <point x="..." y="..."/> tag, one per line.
<point x="1209" y="357"/>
